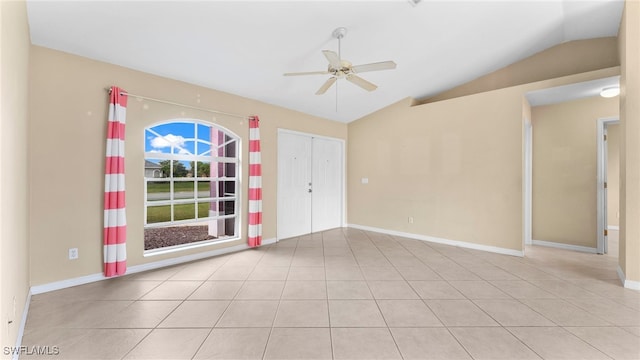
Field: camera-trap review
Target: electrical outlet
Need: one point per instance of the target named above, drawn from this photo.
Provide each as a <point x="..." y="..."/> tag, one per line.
<point x="410" y="219"/>
<point x="73" y="253"/>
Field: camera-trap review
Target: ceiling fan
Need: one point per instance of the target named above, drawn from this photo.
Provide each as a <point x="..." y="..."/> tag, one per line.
<point x="342" y="69"/>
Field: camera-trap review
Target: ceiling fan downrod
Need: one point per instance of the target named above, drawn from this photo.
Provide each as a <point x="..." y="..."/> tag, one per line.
<point x="339" y="33"/>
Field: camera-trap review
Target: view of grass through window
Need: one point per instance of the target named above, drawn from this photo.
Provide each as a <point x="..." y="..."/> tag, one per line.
<point x="190" y="184"/>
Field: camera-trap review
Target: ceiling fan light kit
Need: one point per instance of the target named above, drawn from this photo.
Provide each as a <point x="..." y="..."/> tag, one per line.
<point x="342" y="69"/>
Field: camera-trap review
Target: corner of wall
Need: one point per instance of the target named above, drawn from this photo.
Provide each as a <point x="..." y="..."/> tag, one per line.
<point x="14" y="190"/>
<point x="628" y="37"/>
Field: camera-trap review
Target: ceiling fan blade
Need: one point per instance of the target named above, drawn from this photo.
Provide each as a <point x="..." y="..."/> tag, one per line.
<point x="306" y="73"/>
<point x="385" y="65"/>
<point x="361" y="82"/>
<point x="323" y="89"/>
<point x="333" y="59"/>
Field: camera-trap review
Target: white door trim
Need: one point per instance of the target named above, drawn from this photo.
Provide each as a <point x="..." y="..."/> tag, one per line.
<point x="343" y="191"/>
<point x="601" y="178"/>
<point x="528" y="184"/>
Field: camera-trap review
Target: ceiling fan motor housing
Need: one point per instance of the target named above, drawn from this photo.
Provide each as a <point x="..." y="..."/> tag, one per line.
<point x="345" y="69"/>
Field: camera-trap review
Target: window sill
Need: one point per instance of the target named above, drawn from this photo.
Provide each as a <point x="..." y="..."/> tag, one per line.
<point x="189" y="246"/>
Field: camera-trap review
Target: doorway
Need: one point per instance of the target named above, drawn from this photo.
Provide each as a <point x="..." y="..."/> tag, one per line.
<point x="567" y="199"/>
<point x="310" y="183"/>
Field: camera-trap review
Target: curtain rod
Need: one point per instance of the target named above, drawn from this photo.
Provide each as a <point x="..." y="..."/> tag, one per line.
<point x="181" y="105"/>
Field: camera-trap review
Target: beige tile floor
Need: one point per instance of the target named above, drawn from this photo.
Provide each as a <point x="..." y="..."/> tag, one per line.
<point x="349" y="294"/>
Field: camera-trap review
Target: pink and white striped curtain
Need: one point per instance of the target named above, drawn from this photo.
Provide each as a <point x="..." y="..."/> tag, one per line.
<point x="255" y="184"/>
<point x="115" y="221"/>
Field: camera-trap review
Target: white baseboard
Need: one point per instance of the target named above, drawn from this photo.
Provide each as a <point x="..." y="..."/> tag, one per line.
<point x="57" y="285"/>
<point x="613" y="227"/>
<point x="462" y="244"/>
<point x="566" y="246"/>
<point x="63" y="284"/>
<point x="633" y="285"/>
<point x="23" y="322"/>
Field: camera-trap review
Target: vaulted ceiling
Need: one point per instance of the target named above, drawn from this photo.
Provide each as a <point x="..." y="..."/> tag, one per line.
<point x="244" y="47"/>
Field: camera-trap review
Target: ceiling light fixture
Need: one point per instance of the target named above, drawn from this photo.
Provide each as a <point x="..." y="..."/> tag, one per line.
<point x="611" y="91"/>
<point x="414" y="2"/>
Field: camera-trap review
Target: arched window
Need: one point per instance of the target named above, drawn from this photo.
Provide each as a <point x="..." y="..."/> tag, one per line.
<point x="195" y="197"/>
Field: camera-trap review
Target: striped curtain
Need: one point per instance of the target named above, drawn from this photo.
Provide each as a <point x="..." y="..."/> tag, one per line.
<point x="255" y="184"/>
<point x="115" y="221"/>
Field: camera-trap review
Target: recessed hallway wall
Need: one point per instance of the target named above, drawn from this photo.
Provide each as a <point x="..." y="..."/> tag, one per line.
<point x="565" y="169"/>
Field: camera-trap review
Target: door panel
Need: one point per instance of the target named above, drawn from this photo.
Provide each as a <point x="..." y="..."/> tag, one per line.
<point x="310" y="181"/>
<point x="327" y="185"/>
<point x="294" y="176"/>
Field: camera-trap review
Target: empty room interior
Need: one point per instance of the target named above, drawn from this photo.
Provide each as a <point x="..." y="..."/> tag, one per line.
<point x="421" y="179"/>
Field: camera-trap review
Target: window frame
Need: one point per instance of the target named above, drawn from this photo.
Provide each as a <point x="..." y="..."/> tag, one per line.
<point x="173" y="156"/>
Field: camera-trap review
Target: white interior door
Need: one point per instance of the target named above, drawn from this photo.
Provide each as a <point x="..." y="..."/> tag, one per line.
<point x="326" y="200"/>
<point x="605" y="192"/>
<point x="603" y="245"/>
<point x="294" y="179"/>
<point x="310" y="184"/>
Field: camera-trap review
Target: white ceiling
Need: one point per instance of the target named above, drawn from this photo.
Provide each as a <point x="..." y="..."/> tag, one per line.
<point x="571" y="92"/>
<point x="244" y="47"/>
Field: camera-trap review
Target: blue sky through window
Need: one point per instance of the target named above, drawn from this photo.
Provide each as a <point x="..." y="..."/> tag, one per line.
<point x="182" y="135"/>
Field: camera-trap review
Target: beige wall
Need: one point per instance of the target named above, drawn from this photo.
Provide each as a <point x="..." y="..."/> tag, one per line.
<point x="613" y="175"/>
<point x="68" y="121"/>
<point x="432" y="157"/>
<point x="14" y="245"/>
<point x="455" y="166"/>
<point x="629" y="38"/>
<point x="565" y="169"/>
<point x="561" y="60"/>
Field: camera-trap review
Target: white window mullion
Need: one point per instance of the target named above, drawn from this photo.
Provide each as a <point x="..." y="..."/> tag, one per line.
<point x="145" y="201"/>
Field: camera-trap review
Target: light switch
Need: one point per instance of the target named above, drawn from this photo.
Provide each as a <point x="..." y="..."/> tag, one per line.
<point x="365" y="180"/>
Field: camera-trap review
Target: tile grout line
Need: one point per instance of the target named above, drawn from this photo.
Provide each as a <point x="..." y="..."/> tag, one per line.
<point x="478" y="307"/>
<point x="156" y="326"/>
<point x="326" y="285"/>
<point x="380" y="310"/>
<point x="159" y="322"/>
<point x="185" y="300"/>
<point x="387" y="253"/>
<point x="275" y="315"/>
